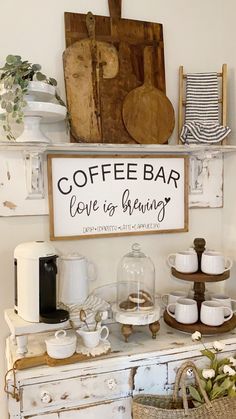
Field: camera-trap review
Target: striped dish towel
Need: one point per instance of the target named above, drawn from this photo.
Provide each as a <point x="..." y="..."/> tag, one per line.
<point x="202" y="110"/>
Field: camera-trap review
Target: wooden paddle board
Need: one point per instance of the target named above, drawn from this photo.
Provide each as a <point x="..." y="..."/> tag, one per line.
<point x="45" y="359"/>
<point x="129" y="37"/>
<point x="85" y="63"/>
<point x="147" y="112"/>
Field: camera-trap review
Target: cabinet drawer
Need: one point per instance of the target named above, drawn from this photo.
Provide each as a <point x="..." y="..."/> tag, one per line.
<point x="200" y="362"/>
<point x="150" y="379"/>
<point x="46" y="416"/>
<point x="77" y="391"/>
<point x="118" y="409"/>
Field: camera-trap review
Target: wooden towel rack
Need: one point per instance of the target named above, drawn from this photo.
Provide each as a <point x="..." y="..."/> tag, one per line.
<point x="222" y="100"/>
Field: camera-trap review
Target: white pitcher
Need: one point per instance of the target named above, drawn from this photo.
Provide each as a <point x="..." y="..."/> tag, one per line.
<point x="75" y="271"/>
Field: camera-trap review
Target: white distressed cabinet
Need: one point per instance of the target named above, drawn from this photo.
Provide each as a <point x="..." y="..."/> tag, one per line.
<point x="103" y="387"/>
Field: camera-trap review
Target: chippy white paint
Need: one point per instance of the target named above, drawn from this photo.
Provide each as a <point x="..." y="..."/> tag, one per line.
<point x="206" y="180"/>
<point x="23" y="175"/>
<point x="22" y="188"/>
<point x="104" y="386"/>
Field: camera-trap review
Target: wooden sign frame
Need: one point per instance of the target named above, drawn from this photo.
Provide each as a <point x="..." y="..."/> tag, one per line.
<point x="107" y="195"/>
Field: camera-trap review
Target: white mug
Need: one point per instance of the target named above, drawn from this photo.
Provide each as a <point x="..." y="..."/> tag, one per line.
<point x="212" y="313"/>
<point x="172" y="297"/>
<point x="225" y="301"/>
<point x="214" y="263"/>
<point x="186" y="261"/>
<point x="91" y="337"/>
<point x="185" y="311"/>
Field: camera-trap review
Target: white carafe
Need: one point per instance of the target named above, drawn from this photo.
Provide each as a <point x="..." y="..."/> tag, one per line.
<point x="75" y="271"/>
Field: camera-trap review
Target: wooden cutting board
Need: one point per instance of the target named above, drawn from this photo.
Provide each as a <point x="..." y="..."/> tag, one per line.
<point x="45" y="359"/>
<point x="86" y="62"/>
<point x="147" y="112"/>
<point x="129" y="37"/>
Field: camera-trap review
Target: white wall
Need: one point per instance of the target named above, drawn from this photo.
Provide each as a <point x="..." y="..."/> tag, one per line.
<point x="198" y="35"/>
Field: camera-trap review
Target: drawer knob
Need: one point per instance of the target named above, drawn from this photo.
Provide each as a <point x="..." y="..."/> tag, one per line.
<point x="111" y="383"/>
<point x="46" y="397"/>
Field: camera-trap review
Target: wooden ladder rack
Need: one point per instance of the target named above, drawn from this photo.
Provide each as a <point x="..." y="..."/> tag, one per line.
<point x="222" y="99"/>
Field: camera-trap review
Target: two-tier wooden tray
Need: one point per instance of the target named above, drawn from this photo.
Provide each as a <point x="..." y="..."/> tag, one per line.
<point x="199" y="278"/>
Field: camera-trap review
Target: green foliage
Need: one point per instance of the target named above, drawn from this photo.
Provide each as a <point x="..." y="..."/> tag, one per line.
<point x="14" y="77"/>
<point x="209" y="354"/>
<point x="218" y="379"/>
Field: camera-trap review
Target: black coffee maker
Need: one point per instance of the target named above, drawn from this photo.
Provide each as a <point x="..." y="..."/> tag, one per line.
<point x="36" y="283"/>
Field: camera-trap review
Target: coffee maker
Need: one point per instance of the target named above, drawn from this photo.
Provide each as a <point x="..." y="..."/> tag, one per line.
<point x="36" y="283"/>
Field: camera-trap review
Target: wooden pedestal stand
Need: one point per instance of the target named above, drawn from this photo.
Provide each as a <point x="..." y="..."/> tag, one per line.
<point x="199" y="278"/>
<point x="131" y="319"/>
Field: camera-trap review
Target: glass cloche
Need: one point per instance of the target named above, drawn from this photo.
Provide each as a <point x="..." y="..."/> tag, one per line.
<point x="135" y="282"/>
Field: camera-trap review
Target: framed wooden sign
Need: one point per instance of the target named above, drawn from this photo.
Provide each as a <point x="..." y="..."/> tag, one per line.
<point x="115" y="195"/>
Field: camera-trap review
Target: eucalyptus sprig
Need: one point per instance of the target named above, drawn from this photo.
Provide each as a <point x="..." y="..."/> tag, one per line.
<point x="15" y="76"/>
<point x="219" y="378"/>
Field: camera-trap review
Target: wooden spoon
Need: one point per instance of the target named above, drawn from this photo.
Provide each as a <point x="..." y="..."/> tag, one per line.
<point x="147" y="113"/>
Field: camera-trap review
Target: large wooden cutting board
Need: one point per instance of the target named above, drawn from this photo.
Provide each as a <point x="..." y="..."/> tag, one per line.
<point x="129" y="37"/>
<point x="86" y="63"/>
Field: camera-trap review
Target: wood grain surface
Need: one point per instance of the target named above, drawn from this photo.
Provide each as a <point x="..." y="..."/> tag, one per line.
<point x="200" y="327"/>
<point x="200" y="276"/>
<point x="45" y="359"/>
<point x="86" y="62"/>
<point x="129" y="38"/>
<point x="147" y="112"/>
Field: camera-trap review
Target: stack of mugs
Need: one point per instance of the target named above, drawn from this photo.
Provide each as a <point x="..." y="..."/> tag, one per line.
<point x="218" y="308"/>
<point x="214" y="312"/>
<point x="212" y="263"/>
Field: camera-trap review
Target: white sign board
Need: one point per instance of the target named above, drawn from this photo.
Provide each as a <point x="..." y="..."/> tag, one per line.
<point x="107" y="195"/>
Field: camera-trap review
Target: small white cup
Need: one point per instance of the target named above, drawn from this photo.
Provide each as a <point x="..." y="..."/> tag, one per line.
<point x="215" y="263"/>
<point x="186" y="261"/>
<point x="225" y="301"/>
<point x="172" y="297"/>
<point x="91" y="338"/>
<point x="185" y="311"/>
<point x="212" y="313"/>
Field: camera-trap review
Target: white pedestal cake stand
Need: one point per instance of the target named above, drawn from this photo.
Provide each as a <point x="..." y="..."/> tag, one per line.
<point x="39" y="110"/>
<point x="130" y="319"/>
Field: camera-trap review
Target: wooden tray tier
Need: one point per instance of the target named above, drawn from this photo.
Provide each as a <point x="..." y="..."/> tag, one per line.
<point x="200" y="276"/>
<point x="200" y="327"/>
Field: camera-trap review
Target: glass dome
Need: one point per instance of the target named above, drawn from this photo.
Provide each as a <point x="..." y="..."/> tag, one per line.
<point x="135" y="282"/>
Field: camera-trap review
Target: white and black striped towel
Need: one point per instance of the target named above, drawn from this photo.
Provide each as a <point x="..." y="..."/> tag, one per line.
<point x="202" y="110"/>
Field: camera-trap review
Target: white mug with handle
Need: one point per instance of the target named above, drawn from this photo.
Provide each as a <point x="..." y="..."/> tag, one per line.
<point x="212" y="313"/>
<point x="225" y="301"/>
<point x="215" y="263"/>
<point x="172" y="297"/>
<point x="185" y="311"/>
<point x="186" y="261"/>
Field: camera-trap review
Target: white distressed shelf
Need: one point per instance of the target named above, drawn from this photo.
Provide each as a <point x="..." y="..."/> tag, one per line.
<point x="28" y="162"/>
<point x="101" y="148"/>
